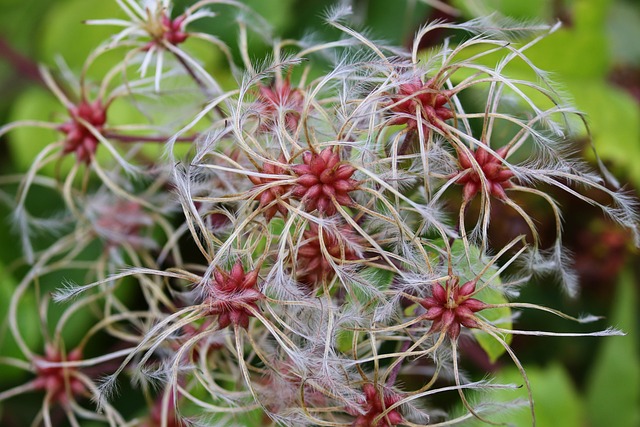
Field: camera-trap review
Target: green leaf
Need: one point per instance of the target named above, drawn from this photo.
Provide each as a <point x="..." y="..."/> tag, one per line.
<point x="344" y="340"/>
<point x="21" y="19"/>
<point x="624" y="25"/>
<point x="279" y="13"/>
<point x="556" y="401"/>
<point x="393" y="24"/>
<point x="64" y="33"/>
<point x="26" y="142"/>
<point x="358" y="295"/>
<point x="500" y="317"/>
<point x="514" y="9"/>
<point x="580" y="59"/>
<point x="613" y="390"/>
<point x="276" y="229"/>
<point x="613" y="117"/>
<point x="577" y="50"/>
<point x="497" y="316"/>
<point x="27" y="318"/>
<point x="378" y="277"/>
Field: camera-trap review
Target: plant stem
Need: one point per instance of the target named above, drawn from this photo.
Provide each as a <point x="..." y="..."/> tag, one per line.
<point x="23" y="66"/>
<point x="406" y="143"/>
<point x="396" y="369"/>
<point x="136" y="138"/>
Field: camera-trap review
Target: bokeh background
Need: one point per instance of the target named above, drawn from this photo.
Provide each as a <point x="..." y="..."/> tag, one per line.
<point x="595" y="58"/>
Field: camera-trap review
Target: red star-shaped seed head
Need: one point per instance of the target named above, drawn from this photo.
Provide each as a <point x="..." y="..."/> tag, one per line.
<point x="274" y="192"/>
<point x="494" y="173"/>
<point x="231" y="294"/>
<point x="312" y="264"/>
<point x="53" y="379"/>
<point x="450" y="307"/>
<point x="122" y="222"/>
<point x="173" y="29"/>
<point x="323" y="178"/>
<point x="373" y="406"/>
<point x="79" y="138"/>
<point x="425" y="99"/>
<point x="163" y="29"/>
<point x="279" y="96"/>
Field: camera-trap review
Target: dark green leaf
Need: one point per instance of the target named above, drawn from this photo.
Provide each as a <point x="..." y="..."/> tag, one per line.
<point x="613" y="389"/>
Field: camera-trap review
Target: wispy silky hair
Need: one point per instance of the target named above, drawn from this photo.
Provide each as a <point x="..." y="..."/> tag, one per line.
<point x="338" y="11"/>
<point x="555" y="262"/>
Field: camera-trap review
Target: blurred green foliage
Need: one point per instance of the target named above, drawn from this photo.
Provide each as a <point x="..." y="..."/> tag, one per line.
<point x="616" y="366"/>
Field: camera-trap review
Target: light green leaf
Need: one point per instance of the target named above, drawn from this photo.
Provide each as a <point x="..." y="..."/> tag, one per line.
<point x="26" y="142"/>
<point x="579" y="57"/>
<point x="21" y="19"/>
<point x="64" y="33"/>
<point x="344" y="341"/>
<point x="496" y="316"/>
<point x="27" y="319"/>
<point x="514" y="9"/>
<point x="276" y="228"/>
<point x="556" y="401"/>
<point x="580" y="49"/>
<point x="378" y="277"/>
<point x="358" y="295"/>
<point x="500" y="317"/>
<point x="613" y="117"/>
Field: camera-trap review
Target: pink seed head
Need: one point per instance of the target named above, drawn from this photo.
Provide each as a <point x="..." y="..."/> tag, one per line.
<point x="79" y="137"/>
<point x="450" y="307"/>
<point x="232" y="295"/>
<point x="322" y="179"/>
<point x="59" y="382"/>
<point x="492" y="171"/>
<point x="312" y="264"/>
<point x="273" y="192"/>
<point x="373" y="405"/>
<point x="425" y="99"/>
<point x="279" y="98"/>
